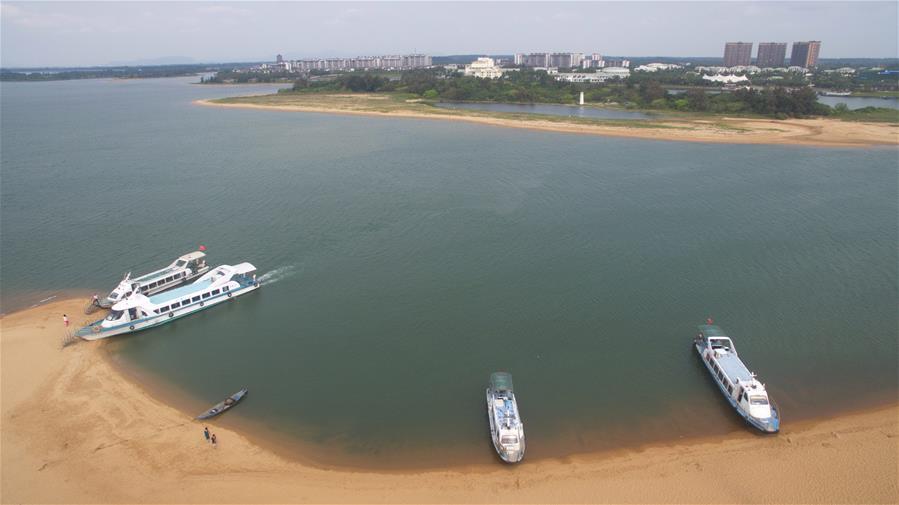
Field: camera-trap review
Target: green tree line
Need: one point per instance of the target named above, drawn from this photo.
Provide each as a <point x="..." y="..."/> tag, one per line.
<point x="528" y="86"/>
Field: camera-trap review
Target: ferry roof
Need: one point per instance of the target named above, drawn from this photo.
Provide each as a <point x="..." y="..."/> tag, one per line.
<point x="501" y="381"/>
<point x="171" y="268"/>
<point x="180" y="292"/>
<point x="733" y="367"/>
<point x="193" y="256"/>
<point x="203" y="282"/>
<point x="153" y="275"/>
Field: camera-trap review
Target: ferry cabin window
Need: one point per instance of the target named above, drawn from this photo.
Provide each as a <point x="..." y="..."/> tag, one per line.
<point x="226" y="288"/>
<point x="195" y="299"/>
<point x="758" y="400"/>
<point x="215" y="292"/>
<point x="176" y="305"/>
<point x="205" y="295"/>
<point x="164" y="309"/>
<point x="151" y="285"/>
<point x="169" y="279"/>
<point x="185" y="301"/>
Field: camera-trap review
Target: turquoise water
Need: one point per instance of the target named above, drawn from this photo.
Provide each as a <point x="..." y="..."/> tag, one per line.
<point x="405" y="260"/>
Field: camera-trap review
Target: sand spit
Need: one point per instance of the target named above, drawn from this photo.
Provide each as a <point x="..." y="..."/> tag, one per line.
<point x="75" y="430"/>
<point x="802" y="132"/>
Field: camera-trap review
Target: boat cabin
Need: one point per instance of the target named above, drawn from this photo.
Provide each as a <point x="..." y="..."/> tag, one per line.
<point x="505" y="413"/>
<point x="181" y="270"/>
<point x="731" y="373"/>
<point x="213" y="285"/>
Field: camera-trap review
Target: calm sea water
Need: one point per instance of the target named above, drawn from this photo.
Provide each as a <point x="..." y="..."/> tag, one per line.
<point x="549" y="109"/>
<point x="405" y="260"/>
<point x="853" y="102"/>
<point x="859" y="102"/>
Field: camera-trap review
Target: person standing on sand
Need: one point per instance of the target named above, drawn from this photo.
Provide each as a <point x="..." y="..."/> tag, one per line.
<point x="213" y="439"/>
<point x="65" y="320"/>
<point x="206" y="433"/>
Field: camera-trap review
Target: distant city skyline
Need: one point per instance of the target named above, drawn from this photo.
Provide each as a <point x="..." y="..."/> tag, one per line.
<point x="36" y="34"/>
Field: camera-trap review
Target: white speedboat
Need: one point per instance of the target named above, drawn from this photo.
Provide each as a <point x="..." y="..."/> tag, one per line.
<point x="138" y="312"/>
<point x="506" y="428"/>
<point x="740" y="387"/>
<point x="184" y="269"/>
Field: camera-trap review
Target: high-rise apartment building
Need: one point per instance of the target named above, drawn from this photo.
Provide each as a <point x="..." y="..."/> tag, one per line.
<point x="805" y="54"/>
<point x="771" y="54"/>
<point x="565" y="60"/>
<point x="737" y="54"/>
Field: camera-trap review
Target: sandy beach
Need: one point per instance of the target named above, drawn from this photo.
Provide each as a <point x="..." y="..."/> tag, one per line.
<point x="75" y="430"/>
<point x="806" y="132"/>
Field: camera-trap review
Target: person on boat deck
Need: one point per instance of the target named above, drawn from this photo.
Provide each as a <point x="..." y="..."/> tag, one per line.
<point x="229" y="401"/>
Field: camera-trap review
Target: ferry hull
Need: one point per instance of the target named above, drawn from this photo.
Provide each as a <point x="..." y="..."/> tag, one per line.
<point x="506" y="456"/>
<point x="770" y="425"/>
<point x="89" y="332"/>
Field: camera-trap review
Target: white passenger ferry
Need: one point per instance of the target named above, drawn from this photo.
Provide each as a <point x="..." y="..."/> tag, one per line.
<point x="187" y="267"/>
<point x="740" y="387"/>
<point x="138" y="312"/>
<point x="506" y="428"/>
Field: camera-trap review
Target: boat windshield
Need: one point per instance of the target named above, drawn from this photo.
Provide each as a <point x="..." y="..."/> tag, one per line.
<point x="114" y="315"/>
<point x="509" y="440"/>
<point x="113" y="295"/>
<point x="758" y="400"/>
<point x="180" y="263"/>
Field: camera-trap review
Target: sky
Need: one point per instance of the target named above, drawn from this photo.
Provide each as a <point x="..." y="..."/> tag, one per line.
<point x="73" y="33"/>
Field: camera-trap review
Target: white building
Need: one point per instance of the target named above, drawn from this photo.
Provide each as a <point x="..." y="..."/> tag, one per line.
<point x="602" y="75"/>
<point x="747" y="69"/>
<point x="655" y="67"/>
<point x="726" y="79"/>
<point x="484" y="68"/>
<point x="582" y="77"/>
<point x="615" y="71"/>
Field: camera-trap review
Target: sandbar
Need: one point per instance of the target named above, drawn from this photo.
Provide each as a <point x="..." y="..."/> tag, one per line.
<point x="820" y="132"/>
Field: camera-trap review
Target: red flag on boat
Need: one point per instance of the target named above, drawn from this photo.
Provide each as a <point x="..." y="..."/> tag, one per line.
<point x="202" y="247"/>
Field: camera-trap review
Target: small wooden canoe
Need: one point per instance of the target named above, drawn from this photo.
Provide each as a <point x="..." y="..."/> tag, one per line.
<point x="224" y="405"/>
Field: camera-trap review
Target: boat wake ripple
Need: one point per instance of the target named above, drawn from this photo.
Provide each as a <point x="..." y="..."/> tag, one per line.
<point x="278" y="274"/>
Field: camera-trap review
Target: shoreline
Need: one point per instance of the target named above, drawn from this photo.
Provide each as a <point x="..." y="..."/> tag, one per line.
<point x="307" y="453"/>
<point x="798" y="132"/>
<point x="75" y="429"/>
